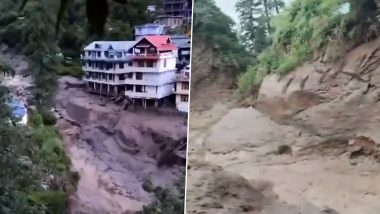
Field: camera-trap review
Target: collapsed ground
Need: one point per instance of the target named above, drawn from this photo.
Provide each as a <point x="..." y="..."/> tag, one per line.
<point x="119" y="155"/>
<point x="309" y="145"/>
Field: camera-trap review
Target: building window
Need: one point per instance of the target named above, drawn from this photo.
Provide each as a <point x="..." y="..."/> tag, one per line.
<point x="97" y="46"/>
<point x="121" y="65"/>
<point x="184" y="98"/>
<point x="121" y="76"/>
<point x="164" y="63"/>
<point x="89" y="53"/>
<point x="185" y="86"/>
<point x="139" y="76"/>
<point x="130" y="76"/>
<point x="129" y="88"/>
<point x="130" y="64"/>
<point x="106" y="53"/>
<point x="110" y="77"/>
<point x="139" y="88"/>
<point x="141" y="64"/>
<point x="119" y="54"/>
<point x="149" y="64"/>
<point x="99" y="53"/>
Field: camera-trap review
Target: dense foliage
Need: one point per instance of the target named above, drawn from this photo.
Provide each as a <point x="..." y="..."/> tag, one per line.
<point x="255" y="26"/>
<point x="217" y="29"/>
<point x="34" y="172"/>
<point x="313" y="28"/>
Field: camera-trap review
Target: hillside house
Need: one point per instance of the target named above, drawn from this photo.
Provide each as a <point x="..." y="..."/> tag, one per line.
<point x="178" y="8"/>
<point x="151" y="29"/>
<point x="141" y="70"/>
<point x="182" y="89"/>
<point x="183" y="43"/>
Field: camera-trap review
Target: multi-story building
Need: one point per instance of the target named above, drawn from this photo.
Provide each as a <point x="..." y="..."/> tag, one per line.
<point x="105" y="66"/>
<point x="182" y="89"/>
<point x="183" y="43"/>
<point x="178" y="8"/>
<point x="141" y="70"/>
<point x="151" y="29"/>
<point x="170" y="21"/>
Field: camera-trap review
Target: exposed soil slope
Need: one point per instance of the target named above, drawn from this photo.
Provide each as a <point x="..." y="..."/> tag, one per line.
<point x="313" y="135"/>
<point x="114" y="151"/>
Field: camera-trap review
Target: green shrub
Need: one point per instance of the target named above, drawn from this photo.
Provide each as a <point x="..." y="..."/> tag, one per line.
<point x="35" y="119"/>
<point x="48" y="117"/>
<point x="54" y="200"/>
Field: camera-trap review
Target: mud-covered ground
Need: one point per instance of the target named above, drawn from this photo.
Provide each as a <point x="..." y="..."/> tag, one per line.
<point x="115" y="150"/>
<point x="310" y="144"/>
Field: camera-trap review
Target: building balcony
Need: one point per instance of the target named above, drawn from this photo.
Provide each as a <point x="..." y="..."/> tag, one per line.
<point x="104" y="58"/>
<point x="142" y="95"/>
<point x="146" y="56"/>
<point x="182" y="91"/>
<point x="107" y="71"/>
<point x="104" y="81"/>
<point x="182" y="78"/>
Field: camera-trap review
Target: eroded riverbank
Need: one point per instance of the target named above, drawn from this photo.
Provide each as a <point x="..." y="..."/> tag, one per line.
<point x="114" y="150"/>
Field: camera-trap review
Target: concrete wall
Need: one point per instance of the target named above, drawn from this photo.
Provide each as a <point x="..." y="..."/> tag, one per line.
<point x="152" y="92"/>
<point x="181" y="105"/>
<point x="180" y="90"/>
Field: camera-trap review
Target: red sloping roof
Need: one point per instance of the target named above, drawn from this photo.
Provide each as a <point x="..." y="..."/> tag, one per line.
<point x="160" y="42"/>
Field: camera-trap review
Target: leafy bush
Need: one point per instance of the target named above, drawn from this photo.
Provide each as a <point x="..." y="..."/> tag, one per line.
<point x="48" y="117"/>
<point x="55" y="201"/>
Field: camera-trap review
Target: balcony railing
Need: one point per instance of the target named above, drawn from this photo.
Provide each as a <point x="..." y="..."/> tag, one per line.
<point x="182" y="77"/>
<point x="114" y="58"/>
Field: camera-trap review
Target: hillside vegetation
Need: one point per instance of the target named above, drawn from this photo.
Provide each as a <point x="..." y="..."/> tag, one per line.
<point x="35" y="172"/>
<point x="311" y="29"/>
<point x="272" y="38"/>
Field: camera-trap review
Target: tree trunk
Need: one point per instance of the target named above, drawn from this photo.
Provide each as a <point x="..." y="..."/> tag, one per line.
<point x="276" y="6"/>
<point x="265" y="3"/>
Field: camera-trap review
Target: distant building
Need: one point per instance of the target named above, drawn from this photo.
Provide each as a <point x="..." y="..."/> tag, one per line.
<point x="170" y="21"/>
<point x="141" y="70"/>
<point x="178" y="8"/>
<point x="149" y="30"/>
<point x="183" y="44"/>
<point x="152" y="8"/>
<point x="182" y="89"/>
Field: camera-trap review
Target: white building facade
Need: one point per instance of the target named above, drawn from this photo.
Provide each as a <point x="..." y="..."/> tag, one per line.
<point x="141" y="70"/>
<point x="182" y="90"/>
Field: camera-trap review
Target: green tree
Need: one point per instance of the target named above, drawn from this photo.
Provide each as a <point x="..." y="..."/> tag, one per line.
<point x="253" y="25"/>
